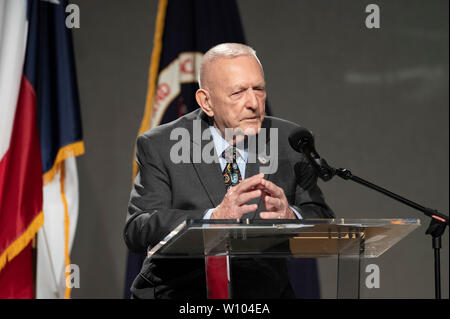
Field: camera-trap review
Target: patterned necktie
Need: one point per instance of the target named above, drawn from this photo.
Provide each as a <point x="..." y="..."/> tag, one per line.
<point x="231" y="173"/>
<point x="217" y="266"/>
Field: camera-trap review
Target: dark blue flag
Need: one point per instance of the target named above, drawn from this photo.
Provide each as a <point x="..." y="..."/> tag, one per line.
<point x="185" y="30"/>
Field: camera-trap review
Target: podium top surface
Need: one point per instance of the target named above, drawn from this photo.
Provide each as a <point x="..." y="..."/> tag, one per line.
<point x="311" y="238"/>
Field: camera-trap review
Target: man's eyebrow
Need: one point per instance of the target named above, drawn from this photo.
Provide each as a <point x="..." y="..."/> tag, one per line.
<point x="244" y="87"/>
<point x="238" y="87"/>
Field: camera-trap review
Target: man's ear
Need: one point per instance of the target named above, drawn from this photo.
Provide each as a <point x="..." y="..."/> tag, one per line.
<point x="203" y="99"/>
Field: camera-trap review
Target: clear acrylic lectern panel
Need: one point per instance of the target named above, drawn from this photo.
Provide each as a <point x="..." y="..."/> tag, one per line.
<point x="349" y="240"/>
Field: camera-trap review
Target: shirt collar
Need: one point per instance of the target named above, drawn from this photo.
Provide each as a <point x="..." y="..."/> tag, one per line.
<point x="221" y="144"/>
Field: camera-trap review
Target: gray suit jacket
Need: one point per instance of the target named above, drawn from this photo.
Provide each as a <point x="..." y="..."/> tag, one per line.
<point x="165" y="194"/>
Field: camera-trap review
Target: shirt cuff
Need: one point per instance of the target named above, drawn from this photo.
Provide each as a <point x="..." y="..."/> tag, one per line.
<point x="299" y="216"/>
<point x="208" y="214"/>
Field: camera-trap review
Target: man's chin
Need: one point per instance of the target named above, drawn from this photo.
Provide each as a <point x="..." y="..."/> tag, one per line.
<point x="251" y="130"/>
<point x="239" y="134"/>
<point x="246" y="132"/>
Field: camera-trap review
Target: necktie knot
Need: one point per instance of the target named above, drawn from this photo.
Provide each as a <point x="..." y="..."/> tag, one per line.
<point x="230" y="154"/>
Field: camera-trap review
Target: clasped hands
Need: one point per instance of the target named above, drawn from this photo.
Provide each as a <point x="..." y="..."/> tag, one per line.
<point x="233" y="205"/>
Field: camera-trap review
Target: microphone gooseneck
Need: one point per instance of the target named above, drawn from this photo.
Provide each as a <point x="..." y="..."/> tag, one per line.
<point x="302" y="140"/>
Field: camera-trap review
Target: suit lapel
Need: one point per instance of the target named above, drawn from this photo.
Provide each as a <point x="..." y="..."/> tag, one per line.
<point x="210" y="174"/>
<point x="257" y="160"/>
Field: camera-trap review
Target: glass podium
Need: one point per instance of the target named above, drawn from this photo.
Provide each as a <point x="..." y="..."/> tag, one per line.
<point x="348" y="240"/>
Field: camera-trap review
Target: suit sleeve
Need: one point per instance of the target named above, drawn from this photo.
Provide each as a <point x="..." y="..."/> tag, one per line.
<point x="309" y="200"/>
<point x="150" y="215"/>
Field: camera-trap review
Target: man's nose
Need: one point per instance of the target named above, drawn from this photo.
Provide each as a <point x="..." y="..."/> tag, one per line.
<point x="251" y="100"/>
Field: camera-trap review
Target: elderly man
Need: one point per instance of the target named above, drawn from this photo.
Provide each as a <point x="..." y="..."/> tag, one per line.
<point x="232" y="96"/>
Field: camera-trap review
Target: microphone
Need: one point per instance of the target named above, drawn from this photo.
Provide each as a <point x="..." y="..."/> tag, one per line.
<point x="302" y="141"/>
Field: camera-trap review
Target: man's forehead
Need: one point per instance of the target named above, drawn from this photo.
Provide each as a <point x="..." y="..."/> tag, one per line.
<point x="226" y="68"/>
<point x="232" y="61"/>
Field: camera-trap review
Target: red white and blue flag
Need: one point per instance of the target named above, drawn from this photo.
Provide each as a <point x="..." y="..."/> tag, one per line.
<point x="40" y="135"/>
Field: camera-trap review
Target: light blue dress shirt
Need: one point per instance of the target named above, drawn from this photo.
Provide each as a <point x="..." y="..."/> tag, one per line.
<point x="220" y="144"/>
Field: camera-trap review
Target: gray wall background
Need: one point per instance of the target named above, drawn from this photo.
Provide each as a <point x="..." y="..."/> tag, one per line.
<point x="377" y="101"/>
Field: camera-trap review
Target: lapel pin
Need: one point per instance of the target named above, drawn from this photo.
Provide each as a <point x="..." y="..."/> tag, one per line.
<point x="262" y="160"/>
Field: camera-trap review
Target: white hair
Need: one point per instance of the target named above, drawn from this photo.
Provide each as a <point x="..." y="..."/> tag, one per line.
<point x="225" y="51"/>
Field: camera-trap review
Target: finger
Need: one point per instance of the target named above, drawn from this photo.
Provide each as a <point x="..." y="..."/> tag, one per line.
<point x="257" y="176"/>
<point x="245" y="197"/>
<point x="244" y="209"/>
<point x="270" y="215"/>
<point x="273" y="189"/>
<point x="249" y="183"/>
<point x="273" y="202"/>
<point x="261" y="187"/>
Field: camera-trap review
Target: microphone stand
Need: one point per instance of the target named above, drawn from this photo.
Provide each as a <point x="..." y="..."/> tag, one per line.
<point x="437" y="225"/>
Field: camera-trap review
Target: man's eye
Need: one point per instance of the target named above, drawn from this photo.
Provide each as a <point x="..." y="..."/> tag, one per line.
<point x="237" y="92"/>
